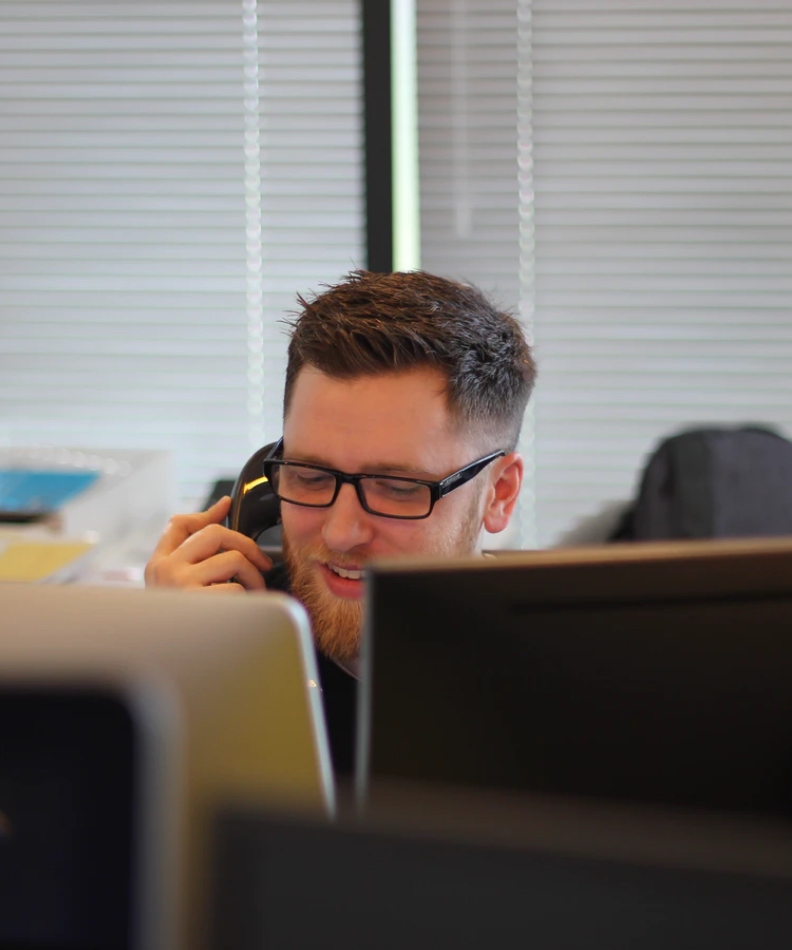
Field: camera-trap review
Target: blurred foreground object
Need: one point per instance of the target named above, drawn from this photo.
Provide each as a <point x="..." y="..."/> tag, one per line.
<point x="434" y="867"/>
<point x="128" y="719"/>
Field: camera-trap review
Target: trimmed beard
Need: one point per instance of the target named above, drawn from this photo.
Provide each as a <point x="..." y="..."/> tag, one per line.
<point x="337" y="622"/>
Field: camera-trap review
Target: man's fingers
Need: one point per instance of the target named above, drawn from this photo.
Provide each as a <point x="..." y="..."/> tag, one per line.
<point x="181" y="527"/>
<point x="198" y="551"/>
<point x="224" y="567"/>
<point x="214" y="538"/>
<point x="225" y="589"/>
<point x="175" y="572"/>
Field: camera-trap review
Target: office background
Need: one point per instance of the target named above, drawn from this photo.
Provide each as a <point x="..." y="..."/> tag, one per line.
<point x="617" y="172"/>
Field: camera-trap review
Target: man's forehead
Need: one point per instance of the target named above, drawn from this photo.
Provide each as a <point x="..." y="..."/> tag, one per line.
<point x="394" y="421"/>
<point x="401" y="394"/>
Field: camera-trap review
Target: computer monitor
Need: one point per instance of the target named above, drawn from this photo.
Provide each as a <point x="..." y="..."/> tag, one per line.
<point x="652" y="673"/>
<point x="128" y="720"/>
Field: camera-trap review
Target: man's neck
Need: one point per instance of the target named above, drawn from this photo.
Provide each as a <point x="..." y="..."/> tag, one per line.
<point x="350" y="666"/>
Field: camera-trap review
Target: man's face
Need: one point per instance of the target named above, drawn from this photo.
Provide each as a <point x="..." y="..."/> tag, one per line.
<point x="397" y="424"/>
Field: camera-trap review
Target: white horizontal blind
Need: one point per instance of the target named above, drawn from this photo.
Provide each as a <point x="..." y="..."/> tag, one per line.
<point x="467" y="121"/>
<point x="663" y="225"/>
<point x="121" y="229"/>
<point x="130" y="314"/>
<point x="312" y="165"/>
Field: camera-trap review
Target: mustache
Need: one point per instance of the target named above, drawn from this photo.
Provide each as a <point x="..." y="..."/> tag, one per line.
<point x="320" y="552"/>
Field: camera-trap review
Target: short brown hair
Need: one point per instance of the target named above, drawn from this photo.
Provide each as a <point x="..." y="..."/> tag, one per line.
<point x="370" y="324"/>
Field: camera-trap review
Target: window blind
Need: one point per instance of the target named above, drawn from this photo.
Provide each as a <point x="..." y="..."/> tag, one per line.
<point x="142" y="145"/>
<point x="312" y="165"/>
<point x="467" y="122"/>
<point x="662" y="151"/>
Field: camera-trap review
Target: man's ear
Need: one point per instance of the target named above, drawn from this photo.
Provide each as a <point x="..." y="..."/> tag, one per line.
<point x="507" y="477"/>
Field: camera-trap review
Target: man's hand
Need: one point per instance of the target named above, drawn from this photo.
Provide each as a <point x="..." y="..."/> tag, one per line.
<point x="197" y="551"/>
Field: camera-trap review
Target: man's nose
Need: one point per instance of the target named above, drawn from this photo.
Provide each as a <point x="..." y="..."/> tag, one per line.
<point x="347" y="525"/>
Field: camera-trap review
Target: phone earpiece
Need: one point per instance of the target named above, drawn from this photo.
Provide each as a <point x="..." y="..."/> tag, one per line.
<point x="255" y="508"/>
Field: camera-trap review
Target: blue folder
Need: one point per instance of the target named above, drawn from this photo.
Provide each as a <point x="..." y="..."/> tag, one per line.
<point x="30" y="493"/>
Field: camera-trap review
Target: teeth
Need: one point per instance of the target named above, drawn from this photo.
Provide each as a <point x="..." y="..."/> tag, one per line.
<point x="343" y="572"/>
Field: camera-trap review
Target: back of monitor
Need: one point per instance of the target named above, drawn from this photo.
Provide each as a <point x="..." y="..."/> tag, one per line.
<point x="175" y="704"/>
<point x="647" y="673"/>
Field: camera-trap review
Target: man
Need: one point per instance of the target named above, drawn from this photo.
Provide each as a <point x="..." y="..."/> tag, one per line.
<point x="403" y="403"/>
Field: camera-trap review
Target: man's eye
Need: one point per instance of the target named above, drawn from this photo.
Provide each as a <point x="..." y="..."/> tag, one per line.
<point x="309" y="480"/>
<point x="397" y="490"/>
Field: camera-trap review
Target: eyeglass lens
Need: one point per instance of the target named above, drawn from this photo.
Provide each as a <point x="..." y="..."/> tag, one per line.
<point x="385" y="496"/>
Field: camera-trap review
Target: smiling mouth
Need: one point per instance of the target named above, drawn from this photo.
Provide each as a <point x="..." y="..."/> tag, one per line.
<point x="345" y="572"/>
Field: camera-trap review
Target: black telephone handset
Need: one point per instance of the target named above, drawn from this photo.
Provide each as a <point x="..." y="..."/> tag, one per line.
<point x="255" y="508"/>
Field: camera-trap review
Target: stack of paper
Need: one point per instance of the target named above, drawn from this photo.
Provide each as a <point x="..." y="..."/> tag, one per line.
<point x="38" y="558"/>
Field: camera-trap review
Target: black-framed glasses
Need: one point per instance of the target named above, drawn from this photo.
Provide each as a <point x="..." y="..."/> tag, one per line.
<point x="390" y="496"/>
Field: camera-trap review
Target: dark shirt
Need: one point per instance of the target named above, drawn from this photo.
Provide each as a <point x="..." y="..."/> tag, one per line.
<point x="339" y="693"/>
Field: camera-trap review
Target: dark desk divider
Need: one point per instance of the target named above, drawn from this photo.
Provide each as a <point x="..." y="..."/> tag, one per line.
<point x="439" y="868"/>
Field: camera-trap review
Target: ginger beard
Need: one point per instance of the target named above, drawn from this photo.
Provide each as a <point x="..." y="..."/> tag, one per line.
<point x="337" y="622"/>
